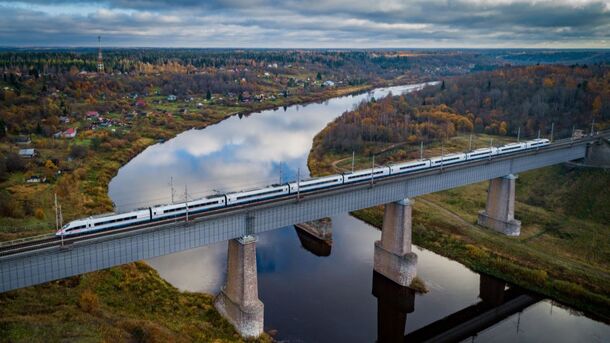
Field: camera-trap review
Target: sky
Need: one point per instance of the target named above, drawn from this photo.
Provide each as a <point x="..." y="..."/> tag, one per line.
<point x="308" y="23"/>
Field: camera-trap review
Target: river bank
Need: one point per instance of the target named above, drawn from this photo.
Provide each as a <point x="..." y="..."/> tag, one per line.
<point x="84" y="189"/>
<point x="562" y="251"/>
<point x="119" y="303"/>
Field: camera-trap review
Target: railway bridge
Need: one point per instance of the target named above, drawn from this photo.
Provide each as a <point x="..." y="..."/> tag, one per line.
<point x="30" y="262"/>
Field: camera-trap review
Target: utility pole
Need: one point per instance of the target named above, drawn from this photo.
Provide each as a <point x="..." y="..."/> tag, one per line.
<point x="421" y="150"/>
<point x="552" y="130"/>
<point x="592" y="126"/>
<point x="470" y="143"/>
<point x="171" y="185"/>
<point x="519" y="135"/>
<point x="299" y="180"/>
<point x="280" y="173"/>
<point x="353" y="159"/>
<point x="538" y="133"/>
<point x="373" y="171"/>
<point x="442" y="154"/>
<point x="56" y="214"/>
<point x="61" y="217"/>
<point x="491" y="145"/>
<point x="186" y="202"/>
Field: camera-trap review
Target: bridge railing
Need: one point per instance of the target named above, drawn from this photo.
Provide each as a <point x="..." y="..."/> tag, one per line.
<point x="26" y="239"/>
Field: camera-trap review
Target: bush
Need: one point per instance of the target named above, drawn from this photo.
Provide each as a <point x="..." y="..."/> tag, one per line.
<point x="14" y="163"/>
<point x="88" y="301"/>
<point x="78" y="151"/>
<point x="39" y="213"/>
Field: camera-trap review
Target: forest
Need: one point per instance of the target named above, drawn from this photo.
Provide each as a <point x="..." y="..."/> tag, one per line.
<point x="506" y="101"/>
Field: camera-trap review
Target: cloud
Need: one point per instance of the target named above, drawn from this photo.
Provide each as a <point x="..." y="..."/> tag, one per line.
<point x="315" y="23"/>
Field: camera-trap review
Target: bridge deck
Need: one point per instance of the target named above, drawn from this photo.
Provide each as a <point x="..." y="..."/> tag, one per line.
<point x="36" y="264"/>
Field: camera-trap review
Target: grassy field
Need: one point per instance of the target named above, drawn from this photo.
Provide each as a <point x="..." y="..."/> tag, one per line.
<point x="130" y="303"/>
<point x="564" y="247"/>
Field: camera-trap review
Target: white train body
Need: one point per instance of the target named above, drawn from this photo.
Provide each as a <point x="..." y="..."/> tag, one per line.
<point x="447" y="159"/>
<point x="409" y="166"/>
<point x="316" y="183"/>
<point x="105" y="222"/>
<point x="219" y="201"/>
<point x="366" y="174"/>
<point x="512" y="147"/>
<point x="257" y="194"/>
<point x="537" y="143"/>
<point x="482" y="153"/>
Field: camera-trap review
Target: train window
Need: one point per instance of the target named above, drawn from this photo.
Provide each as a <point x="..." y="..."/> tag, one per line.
<point x="317" y="183"/>
<point x="204" y="204"/>
<point x="414" y="166"/>
<point x="259" y="194"/>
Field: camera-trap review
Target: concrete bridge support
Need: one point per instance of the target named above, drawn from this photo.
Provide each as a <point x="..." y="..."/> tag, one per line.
<point x="499" y="214"/>
<point x="598" y="154"/>
<point x="238" y="300"/>
<point x="393" y="256"/>
<point x="394" y="302"/>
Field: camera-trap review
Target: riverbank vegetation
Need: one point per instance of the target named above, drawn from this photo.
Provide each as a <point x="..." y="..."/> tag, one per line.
<point x="563" y="250"/>
<point x="66" y="130"/>
<point x="130" y="303"/>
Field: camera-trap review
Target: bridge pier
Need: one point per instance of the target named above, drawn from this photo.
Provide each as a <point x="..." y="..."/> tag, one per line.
<point x="598" y="154"/>
<point x="499" y="213"/>
<point x="238" y="299"/>
<point x="393" y="256"/>
<point x="394" y="302"/>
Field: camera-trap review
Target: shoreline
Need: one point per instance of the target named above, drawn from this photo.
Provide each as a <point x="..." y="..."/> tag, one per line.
<point x="436" y="228"/>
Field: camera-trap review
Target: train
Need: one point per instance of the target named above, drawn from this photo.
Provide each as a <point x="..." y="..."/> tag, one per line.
<point x="163" y="212"/>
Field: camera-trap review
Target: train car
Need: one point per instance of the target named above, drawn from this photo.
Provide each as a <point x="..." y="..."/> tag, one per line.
<point x="168" y="211"/>
<point x="537" y="143"/>
<point x="447" y="159"/>
<point x="207" y="203"/>
<point x="105" y="221"/>
<point x="317" y="183"/>
<point x="482" y="153"/>
<point x="257" y="194"/>
<point x="512" y="147"/>
<point x="409" y="166"/>
<point x="366" y="174"/>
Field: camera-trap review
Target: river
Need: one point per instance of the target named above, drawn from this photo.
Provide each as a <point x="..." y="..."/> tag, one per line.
<point x="313" y="293"/>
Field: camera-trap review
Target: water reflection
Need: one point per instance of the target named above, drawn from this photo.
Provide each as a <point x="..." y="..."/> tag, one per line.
<point x="308" y="298"/>
<point x="237" y="153"/>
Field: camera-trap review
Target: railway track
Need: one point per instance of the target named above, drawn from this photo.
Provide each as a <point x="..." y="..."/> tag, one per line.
<point x="53" y="241"/>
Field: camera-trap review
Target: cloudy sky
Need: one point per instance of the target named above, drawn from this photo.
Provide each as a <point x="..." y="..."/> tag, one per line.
<point x="307" y="23"/>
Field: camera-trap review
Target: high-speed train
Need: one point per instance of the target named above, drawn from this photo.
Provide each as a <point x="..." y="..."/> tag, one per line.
<point x="161" y="212"/>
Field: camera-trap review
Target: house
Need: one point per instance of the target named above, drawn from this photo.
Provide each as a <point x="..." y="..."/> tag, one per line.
<point x="140" y="103"/>
<point x="22" y="140"/>
<point x="69" y="133"/>
<point x="92" y="114"/>
<point x="27" y="153"/>
<point x="328" y="83"/>
<point x="36" y="179"/>
<point x="171" y="97"/>
<point x="199" y="105"/>
<point x="64" y="119"/>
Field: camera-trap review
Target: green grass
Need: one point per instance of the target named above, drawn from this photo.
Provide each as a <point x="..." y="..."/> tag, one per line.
<point x="564" y="247"/>
<point x="127" y="303"/>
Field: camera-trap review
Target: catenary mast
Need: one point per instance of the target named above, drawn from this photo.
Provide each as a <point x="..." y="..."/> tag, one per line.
<point x="100" y="62"/>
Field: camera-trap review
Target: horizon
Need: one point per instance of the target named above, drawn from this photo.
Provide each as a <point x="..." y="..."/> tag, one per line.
<point x="331" y="24"/>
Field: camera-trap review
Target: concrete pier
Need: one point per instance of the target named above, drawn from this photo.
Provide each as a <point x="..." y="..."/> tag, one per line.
<point x="394" y="302"/>
<point x="238" y="300"/>
<point x="499" y="214"/>
<point x="393" y="256"/>
<point x="598" y="154"/>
